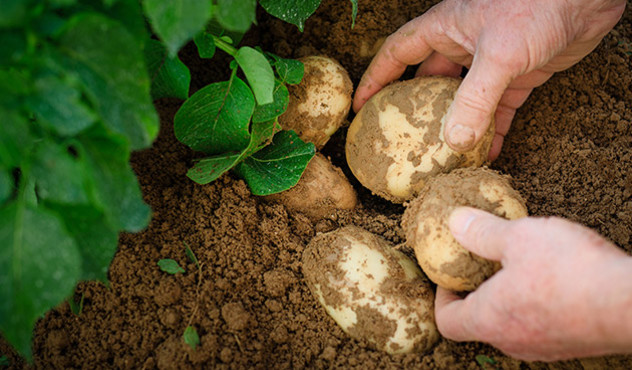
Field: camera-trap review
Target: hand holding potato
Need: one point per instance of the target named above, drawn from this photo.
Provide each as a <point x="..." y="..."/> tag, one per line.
<point x="510" y="47"/>
<point x="563" y="291"/>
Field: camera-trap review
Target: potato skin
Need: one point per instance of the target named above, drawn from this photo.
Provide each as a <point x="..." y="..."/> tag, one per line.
<point x="372" y="291"/>
<point x="319" y="105"/>
<point x="395" y="143"/>
<point x="321" y="191"/>
<point x="425" y="223"/>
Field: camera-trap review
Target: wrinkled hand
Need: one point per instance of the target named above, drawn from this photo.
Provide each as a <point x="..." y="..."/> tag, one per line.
<point x="563" y="291"/>
<point x="509" y="46"/>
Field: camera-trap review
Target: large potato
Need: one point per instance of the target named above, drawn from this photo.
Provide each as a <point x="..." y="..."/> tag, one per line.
<point x="395" y="143"/>
<point x="322" y="190"/>
<point x="320" y="103"/>
<point x="425" y="222"/>
<point x="371" y="290"/>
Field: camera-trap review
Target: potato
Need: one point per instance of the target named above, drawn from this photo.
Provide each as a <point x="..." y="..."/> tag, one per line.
<point x="395" y="143"/>
<point x="371" y="290"/>
<point x="425" y="223"/>
<point x="320" y="103"/>
<point x="321" y="191"/>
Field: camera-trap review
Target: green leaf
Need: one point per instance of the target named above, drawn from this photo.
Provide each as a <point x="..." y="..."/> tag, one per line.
<point x="15" y="139"/>
<point x="354" y="12"/>
<point x="210" y="169"/>
<point x="110" y="63"/>
<point x="39" y="267"/>
<point x="128" y="13"/>
<point x="277" y="167"/>
<point x="116" y="189"/>
<point x="60" y="106"/>
<point x="76" y="308"/>
<point x="191" y="337"/>
<point x="290" y="71"/>
<point x="258" y="72"/>
<point x="13" y="46"/>
<point x="215" y="119"/>
<point x="483" y="360"/>
<point x="271" y="111"/>
<point x="6" y="186"/>
<point x="191" y="255"/>
<point x="58" y="175"/>
<point x="236" y="15"/>
<point x="291" y="11"/>
<point x="170" y="266"/>
<point x="96" y="238"/>
<point x="205" y="45"/>
<point x="169" y="76"/>
<point x="62" y="3"/>
<point x="13" y="12"/>
<point x="4" y="361"/>
<point x="177" y="21"/>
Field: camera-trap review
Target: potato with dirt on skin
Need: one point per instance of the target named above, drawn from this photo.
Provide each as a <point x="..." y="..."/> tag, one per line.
<point x="425" y="223"/>
<point x="371" y="290"/>
<point x="318" y="105"/>
<point x="396" y="142"/>
<point x="322" y="190"/>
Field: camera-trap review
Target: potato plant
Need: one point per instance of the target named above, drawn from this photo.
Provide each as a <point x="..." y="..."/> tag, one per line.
<point x="77" y="79"/>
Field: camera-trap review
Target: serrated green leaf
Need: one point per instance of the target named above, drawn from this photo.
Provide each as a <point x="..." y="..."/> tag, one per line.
<point x="191" y="337"/>
<point x="205" y="45"/>
<point x="15" y="139"/>
<point x="291" y="11"/>
<point x="58" y="175"/>
<point x="215" y="119"/>
<point x="169" y="76"/>
<point x="35" y="275"/>
<point x="354" y="12"/>
<point x="271" y="111"/>
<point x="236" y="15"/>
<point x="278" y="166"/>
<point x="115" y="186"/>
<point x="177" y="21"/>
<point x="59" y="105"/>
<point x="6" y="186"/>
<point x="290" y="71"/>
<point x="96" y="239"/>
<point x="109" y="62"/>
<point x="258" y="72"/>
<point x="170" y="266"/>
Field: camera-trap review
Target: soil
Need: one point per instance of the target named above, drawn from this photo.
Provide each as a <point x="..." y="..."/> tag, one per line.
<point x="569" y="151"/>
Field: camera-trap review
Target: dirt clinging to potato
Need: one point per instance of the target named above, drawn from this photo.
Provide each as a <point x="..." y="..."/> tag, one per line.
<point x="569" y="152"/>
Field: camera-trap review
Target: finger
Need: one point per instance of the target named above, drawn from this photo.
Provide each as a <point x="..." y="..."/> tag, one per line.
<point x="512" y="100"/>
<point x="407" y="46"/>
<point x="480" y="232"/>
<point x="496" y="147"/>
<point x="451" y="316"/>
<point x="475" y="102"/>
<point x="438" y="64"/>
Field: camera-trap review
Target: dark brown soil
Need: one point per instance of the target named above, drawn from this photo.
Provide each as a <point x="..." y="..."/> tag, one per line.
<point x="569" y="151"/>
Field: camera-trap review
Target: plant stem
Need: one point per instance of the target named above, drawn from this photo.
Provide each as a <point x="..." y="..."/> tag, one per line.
<point x="226" y="47"/>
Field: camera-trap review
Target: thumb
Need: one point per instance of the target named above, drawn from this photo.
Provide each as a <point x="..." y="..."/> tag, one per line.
<point x="475" y="102"/>
<point x="480" y="232"/>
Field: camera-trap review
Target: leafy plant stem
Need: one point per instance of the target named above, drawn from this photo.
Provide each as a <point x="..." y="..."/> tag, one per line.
<point x="223" y="45"/>
<point x="19" y="226"/>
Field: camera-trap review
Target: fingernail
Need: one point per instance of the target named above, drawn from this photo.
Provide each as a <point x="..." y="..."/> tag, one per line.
<point x="460" y="220"/>
<point x="461" y="137"/>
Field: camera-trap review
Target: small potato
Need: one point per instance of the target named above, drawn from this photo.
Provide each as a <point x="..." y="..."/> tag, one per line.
<point x="321" y="191"/>
<point x="320" y="103"/>
<point x="371" y="290"/>
<point x="425" y="222"/>
<point x="395" y="143"/>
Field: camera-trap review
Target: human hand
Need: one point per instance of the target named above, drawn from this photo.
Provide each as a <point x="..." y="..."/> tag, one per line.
<point x="563" y="291"/>
<point x="509" y="46"/>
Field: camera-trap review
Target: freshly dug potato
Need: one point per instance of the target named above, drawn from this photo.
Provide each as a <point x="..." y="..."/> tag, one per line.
<point x="425" y="222"/>
<point x="321" y="191"/>
<point x="395" y="143"/>
<point x="371" y="290"/>
<point x="320" y="103"/>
